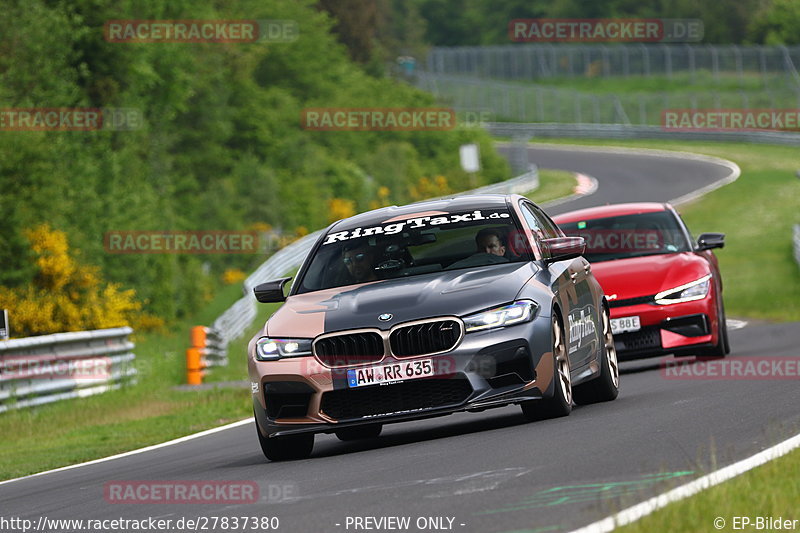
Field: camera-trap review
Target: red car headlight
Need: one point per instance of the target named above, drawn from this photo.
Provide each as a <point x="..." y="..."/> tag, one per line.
<point x="695" y="290"/>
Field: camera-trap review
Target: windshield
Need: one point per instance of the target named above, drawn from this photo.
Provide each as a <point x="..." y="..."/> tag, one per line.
<point x="403" y="247"/>
<point x="626" y="236"/>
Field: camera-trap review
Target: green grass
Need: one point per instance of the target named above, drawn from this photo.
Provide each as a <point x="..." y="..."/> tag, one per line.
<point x="756" y="212"/>
<point x="152" y="411"/>
<point x="553" y="184"/>
<point x="683" y="81"/>
<point x="765" y="491"/>
<point x="149" y="412"/>
<point x="761" y="280"/>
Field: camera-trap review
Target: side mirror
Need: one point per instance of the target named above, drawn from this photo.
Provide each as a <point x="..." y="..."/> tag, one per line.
<point x="707" y="241"/>
<point x="562" y="248"/>
<point x="271" y="291"/>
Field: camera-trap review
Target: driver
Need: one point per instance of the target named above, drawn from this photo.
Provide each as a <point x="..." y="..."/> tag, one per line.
<point x="360" y="262"/>
<point x="490" y="241"/>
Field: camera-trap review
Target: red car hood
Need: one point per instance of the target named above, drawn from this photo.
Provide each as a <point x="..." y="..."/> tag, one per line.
<point x="645" y="276"/>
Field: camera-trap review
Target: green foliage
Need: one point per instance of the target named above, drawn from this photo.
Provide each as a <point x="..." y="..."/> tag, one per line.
<point x="221" y="147"/>
<point x="777" y="22"/>
<point x="484" y="22"/>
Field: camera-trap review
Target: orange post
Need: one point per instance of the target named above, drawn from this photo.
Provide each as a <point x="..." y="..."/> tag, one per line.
<point x="194" y="366"/>
<point x="198" y="337"/>
<point x="194" y="356"/>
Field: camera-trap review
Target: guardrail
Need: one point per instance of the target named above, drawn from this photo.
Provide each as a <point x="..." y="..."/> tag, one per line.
<point x="236" y="319"/>
<point x="49" y="368"/>
<point x="797" y="243"/>
<point x="624" y="131"/>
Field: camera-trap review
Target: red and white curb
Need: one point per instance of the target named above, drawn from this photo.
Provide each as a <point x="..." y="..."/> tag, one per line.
<point x="584" y="186"/>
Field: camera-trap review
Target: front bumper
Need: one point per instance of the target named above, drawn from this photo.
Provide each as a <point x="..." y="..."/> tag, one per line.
<point x="486" y="369"/>
<point x="687" y="328"/>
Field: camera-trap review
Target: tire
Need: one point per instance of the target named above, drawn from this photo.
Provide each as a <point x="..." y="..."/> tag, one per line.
<point x="286" y="448"/>
<point x="369" y="431"/>
<point x="723" y="346"/>
<point x="604" y="387"/>
<point x="561" y="402"/>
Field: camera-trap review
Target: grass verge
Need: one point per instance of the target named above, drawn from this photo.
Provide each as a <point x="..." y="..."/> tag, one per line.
<point x="553" y="184"/>
<point x="757" y="210"/>
<point x="69" y="432"/>
<point x="763" y="492"/>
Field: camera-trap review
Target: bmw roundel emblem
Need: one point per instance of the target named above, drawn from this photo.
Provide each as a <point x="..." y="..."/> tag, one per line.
<point x="385" y="317"/>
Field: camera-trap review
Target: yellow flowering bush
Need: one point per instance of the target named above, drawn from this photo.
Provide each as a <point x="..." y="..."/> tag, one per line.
<point x="261" y="227"/>
<point x="339" y="208"/>
<point x="66" y="295"/>
<point x="383" y="198"/>
<point x="430" y="188"/>
<point x="233" y="275"/>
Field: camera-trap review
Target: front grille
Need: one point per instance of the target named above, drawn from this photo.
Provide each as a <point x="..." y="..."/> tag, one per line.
<point x="632" y="301"/>
<point x="349" y="349"/>
<point x="385" y="399"/>
<point x="646" y="338"/>
<point x="425" y="338"/>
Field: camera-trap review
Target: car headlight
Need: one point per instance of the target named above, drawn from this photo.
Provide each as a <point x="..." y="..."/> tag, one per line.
<point x="268" y="349"/>
<point x="507" y="315"/>
<point x="696" y="290"/>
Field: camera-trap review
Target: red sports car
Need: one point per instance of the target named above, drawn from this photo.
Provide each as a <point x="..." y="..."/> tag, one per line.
<point x="664" y="290"/>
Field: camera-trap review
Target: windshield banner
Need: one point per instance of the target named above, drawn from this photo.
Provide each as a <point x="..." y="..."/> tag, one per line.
<point x="417" y="223"/>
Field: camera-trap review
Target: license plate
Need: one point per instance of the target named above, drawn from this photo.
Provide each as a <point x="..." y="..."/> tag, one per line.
<point x="628" y="323"/>
<point x="373" y="375"/>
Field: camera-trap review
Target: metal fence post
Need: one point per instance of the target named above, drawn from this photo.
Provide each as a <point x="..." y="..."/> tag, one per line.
<point x="668" y="60"/>
<point x="715" y="62"/>
<point x="737" y="54"/>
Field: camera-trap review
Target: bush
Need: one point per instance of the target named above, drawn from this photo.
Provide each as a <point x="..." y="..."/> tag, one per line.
<point x="66" y="295"/>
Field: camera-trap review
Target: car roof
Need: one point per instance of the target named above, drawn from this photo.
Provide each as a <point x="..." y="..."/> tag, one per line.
<point x="448" y="205"/>
<point x="612" y="210"/>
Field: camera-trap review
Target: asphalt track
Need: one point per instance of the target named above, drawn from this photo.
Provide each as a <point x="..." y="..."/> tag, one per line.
<point x="488" y="471"/>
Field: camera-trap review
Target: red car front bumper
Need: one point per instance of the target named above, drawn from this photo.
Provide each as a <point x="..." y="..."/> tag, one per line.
<point x="687" y="328"/>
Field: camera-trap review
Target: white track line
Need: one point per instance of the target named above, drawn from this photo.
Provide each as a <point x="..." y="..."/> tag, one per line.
<point x="735" y="324"/>
<point x="588" y="186"/>
<point x="140" y="450"/>
<point x="686" y="198"/>
<point x="633" y="513"/>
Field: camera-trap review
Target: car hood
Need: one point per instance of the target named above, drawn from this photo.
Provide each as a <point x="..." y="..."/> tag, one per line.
<point x="648" y="275"/>
<point x="456" y="292"/>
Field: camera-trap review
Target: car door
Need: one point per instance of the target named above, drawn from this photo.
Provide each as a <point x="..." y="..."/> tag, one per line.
<point x="572" y="279"/>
